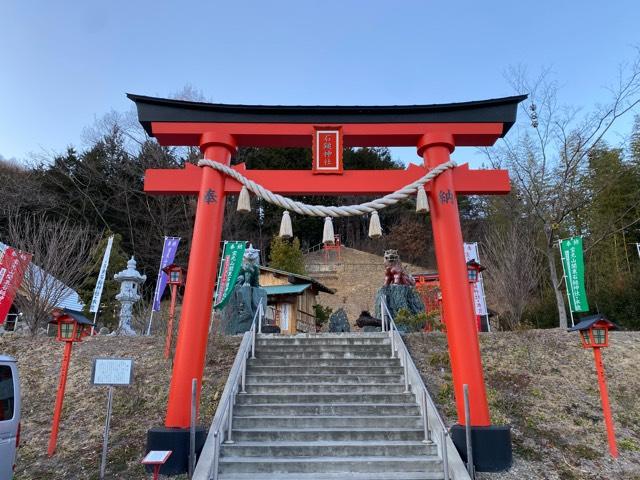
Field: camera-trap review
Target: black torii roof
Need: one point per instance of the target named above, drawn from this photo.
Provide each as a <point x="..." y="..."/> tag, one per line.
<point x="496" y="110"/>
<point x="588" y="322"/>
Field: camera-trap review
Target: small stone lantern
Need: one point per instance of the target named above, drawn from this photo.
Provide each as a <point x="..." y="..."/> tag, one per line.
<point x="130" y="280"/>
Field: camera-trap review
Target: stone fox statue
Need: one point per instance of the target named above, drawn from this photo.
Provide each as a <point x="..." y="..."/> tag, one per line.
<point x="250" y="272"/>
<point x="394" y="273"/>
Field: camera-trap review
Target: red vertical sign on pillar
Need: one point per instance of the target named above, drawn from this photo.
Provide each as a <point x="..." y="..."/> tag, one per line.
<point x="327" y="150"/>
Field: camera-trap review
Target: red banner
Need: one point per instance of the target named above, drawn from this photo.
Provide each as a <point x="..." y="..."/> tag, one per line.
<point x="12" y="267"/>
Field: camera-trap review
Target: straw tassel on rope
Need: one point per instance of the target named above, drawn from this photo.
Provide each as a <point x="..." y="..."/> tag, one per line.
<point x="375" y="230"/>
<point x="327" y="234"/>
<point x="244" y="201"/>
<point x="286" y="231"/>
<point x="422" y="202"/>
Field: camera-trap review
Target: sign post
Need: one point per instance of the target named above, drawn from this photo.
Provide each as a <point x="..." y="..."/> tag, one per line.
<point x="111" y="372"/>
<point x="97" y="292"/>
<point x="573" y="268"/>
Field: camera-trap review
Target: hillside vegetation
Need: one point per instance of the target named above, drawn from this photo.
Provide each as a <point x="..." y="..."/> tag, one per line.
<point x="544" y="384"/>
<point x="135" y="408"/>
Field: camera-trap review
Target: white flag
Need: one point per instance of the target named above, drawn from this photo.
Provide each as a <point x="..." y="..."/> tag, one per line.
<point x="97" y="293"/>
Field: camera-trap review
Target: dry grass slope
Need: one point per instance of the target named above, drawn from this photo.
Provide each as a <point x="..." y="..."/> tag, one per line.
<point x="135" y="408"/>
<point x="544" y="384"/>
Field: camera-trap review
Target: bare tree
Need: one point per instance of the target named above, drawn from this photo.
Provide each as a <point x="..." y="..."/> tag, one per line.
<point x="513" y="269"/>
<point x="61" y="254"/>
<point x="549" y="156"/>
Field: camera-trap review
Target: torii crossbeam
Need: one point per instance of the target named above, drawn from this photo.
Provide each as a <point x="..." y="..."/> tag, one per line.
<point x="435" y="130"/>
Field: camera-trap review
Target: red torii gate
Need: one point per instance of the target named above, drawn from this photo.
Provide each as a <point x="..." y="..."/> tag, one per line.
<point x="435" y="130"/>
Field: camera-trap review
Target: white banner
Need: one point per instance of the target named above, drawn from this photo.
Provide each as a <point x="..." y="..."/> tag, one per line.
<point x="479" y="301"/>
<point x="97" y="292"/>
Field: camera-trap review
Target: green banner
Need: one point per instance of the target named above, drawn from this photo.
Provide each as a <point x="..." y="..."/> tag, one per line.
<point x="230" y="266"/>
<point x="573" y="263"/>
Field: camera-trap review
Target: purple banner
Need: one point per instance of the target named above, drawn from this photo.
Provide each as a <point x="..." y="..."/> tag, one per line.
<point x="168" y="254"/>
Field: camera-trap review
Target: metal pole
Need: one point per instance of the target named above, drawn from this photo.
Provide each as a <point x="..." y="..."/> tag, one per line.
<point x="382" y="314"/>
<point x="260" y="318"/>
<point x="566" y="282"/>
<point x="425" y="418"/>
<point x="244" y="375"/>
<point x="253" y="341"/>
<point x="105" y="436"/>
<point x="93" y="327"/>
<point x="192" y="428"/>
<point x="230" y="418"/>
<point x="213" y="474"/>
<point x="392" y="337"/>
<point x="406" y="373"/>
<point x="467" y="428"/>
<point x="445" y="454"/>
<point x="150" y="322"/>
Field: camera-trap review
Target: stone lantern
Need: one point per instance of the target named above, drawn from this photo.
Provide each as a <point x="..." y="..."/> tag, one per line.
<point x="130" y="280"/>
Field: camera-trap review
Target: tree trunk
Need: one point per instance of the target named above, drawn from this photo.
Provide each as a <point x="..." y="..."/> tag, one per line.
<point x="555" y="282"/>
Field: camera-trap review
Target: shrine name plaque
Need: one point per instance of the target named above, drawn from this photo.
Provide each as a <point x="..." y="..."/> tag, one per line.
<point x="327" y="150"/>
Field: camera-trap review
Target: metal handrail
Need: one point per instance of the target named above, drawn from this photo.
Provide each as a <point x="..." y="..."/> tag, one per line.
<point x="434" y="426"/>
<point x="222" y="424"/>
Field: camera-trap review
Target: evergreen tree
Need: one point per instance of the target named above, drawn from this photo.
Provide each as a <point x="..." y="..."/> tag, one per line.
<point x="286" y="255"/>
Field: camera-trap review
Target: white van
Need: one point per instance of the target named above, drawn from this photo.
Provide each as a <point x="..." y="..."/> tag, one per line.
<point x="9" y="415"/>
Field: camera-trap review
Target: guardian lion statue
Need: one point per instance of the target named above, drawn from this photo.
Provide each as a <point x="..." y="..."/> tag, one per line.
<point x="395" y="273"/>
<point x="250" y="271"/>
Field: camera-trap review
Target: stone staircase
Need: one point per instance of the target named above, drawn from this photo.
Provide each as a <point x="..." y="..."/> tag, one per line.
<point x="329" y="406"/>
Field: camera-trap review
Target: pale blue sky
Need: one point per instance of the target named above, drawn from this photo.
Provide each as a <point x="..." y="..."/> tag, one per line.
<point x="64" y="63"/>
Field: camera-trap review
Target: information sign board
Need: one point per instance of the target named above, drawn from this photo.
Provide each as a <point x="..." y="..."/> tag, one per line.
<point x="112" y="371"/>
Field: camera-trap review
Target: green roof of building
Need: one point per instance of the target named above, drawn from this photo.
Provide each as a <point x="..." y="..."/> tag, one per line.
<point x="286" y="289"/>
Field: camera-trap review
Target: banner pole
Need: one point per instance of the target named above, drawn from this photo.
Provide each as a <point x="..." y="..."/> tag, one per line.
<point x="566" y="282"/>
<point x="150" y="321"/>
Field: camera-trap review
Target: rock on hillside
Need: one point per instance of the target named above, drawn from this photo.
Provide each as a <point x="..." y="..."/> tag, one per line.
<point x="544" y="384"/>
<point x="356" y="278"/>
<point x="135" y="408"/>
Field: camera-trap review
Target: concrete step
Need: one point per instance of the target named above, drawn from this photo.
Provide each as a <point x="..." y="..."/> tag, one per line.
<point x="322" y="354"/>
<point x="364" y="464"/>
<point x="324" y="335"/>
<point x="326" y="434"/>
<point x="326" y="421"/>
<point x="334" y="476"/>
<point x="297" y="369"/>
<point x="328" y="449"/>
<point x="314" y="408"/>
<point x="354" y="379"/>
<point x="319" y="363"/>
<point x="375" y="398"/>
<point x="303" y="341"/>
<point x="296" y="388"/>
<point x="323" y="347"/>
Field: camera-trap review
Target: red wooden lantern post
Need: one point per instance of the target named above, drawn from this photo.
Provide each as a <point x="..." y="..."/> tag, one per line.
<point x="71" y="328"/>
<point x="594" y="334"/>
<point x="176" y="276"/>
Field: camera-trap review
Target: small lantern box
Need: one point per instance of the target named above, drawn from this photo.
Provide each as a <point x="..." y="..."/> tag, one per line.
<point x="594" y="331"/>
<point x="473" y="270"/>
<point x="72" y="326"/>
<point x="176" y="275"/>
